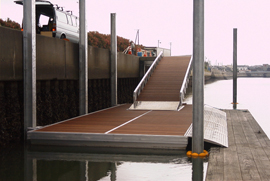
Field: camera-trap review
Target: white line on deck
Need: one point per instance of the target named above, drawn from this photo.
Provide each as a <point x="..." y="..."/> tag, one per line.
<point x="127" y="122"/>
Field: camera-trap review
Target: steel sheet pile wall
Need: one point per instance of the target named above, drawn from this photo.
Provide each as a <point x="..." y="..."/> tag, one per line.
<point x="57" y="81"/>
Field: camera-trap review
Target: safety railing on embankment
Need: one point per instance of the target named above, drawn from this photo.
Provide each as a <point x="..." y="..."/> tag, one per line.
<point x="185" y="83"/>
<point x="145" y="78"/>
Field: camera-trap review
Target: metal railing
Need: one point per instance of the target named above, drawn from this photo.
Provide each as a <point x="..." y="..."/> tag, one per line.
<point x="145" y="78"/>
<point x="185" y="83"/>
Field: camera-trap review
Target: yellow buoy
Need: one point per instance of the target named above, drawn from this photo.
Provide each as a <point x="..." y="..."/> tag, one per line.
<point x="194" y="154"/>
<point x="189" y="153"/>
<point x="206" y="152"/>
<point x="202" y="154"/>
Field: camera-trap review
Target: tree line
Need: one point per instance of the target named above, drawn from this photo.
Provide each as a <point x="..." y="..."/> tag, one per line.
<point x="95" y="38"/>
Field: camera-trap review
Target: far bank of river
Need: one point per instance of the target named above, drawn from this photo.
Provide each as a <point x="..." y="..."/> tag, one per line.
<point x="215" y="75"/>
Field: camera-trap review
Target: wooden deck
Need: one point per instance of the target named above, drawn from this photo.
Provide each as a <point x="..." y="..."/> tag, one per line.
<point x="248" y="154"/>
<point x="119" y="126"/>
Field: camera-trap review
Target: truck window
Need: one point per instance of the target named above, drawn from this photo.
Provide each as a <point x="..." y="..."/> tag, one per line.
<point x="43" y="20"/>
<point x="61" y="16"/>
<point x="74" y="21"/>
<point x="69" y="20"/>
<point x="77" y="21"/>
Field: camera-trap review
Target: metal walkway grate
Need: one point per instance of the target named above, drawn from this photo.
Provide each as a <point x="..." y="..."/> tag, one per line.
<point x="215" y="127"/>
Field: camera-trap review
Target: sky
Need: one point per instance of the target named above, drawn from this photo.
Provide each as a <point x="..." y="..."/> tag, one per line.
<point x="171" y="21"/>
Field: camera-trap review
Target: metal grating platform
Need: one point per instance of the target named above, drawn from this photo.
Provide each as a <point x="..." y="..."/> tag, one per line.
<point x="155" y="105"/>
<point x="215" y="127"/>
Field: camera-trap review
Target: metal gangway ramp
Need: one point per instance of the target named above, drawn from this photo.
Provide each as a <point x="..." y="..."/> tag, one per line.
<point x="164" y="84"/>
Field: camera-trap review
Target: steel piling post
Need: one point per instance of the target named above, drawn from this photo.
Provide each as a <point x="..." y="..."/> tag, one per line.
<point x="198" y="77"/>
<point x="113" y="60"/>
<point x="29" y="63"/>
<point x="234" y="68"/>
<point x="83" y="61"/>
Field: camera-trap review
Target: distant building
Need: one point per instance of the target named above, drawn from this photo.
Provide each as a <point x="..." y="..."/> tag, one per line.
<point x="256" y="68"/>
<point x="265" y="67"/>
<point x="242" y="68"/>
<point x="156" y="50"/>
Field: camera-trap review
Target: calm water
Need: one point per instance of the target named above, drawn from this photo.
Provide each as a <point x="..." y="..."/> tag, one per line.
<point x="252" y="94"/>
<point x="64" y="164"/>
<point x="77" y="164"/>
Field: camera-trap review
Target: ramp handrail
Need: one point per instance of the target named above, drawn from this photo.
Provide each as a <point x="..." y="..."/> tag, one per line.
<point x="126" y="50"/>
<point x="185" y="83"/>
<point x="146" y="77"/>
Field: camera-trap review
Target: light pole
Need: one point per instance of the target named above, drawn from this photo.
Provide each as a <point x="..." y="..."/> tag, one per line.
<point x="170" y="48"/>
<point x="137" y="37"/>
<point x="159" y="42"/>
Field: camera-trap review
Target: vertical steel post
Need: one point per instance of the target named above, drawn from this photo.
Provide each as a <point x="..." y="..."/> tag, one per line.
<point x="29" y="63"/>
<point x="198" y="77"/>
<point x="113" y="60"/>
<point x="234" y="68"/>
<point x="83" y="60"/>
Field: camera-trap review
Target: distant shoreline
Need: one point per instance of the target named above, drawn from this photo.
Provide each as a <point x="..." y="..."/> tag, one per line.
<point x="217" y="75"/>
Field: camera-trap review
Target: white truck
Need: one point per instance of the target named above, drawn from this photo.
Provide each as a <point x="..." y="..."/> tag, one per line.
<point x="53" y="21"/>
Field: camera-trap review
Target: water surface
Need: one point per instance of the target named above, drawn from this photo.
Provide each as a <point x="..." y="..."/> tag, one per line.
<point x="252" y="94"/>
<point x="62" y="164"/>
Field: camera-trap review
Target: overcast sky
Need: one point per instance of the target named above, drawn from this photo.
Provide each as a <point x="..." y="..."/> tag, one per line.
<point x="171" y="21"/>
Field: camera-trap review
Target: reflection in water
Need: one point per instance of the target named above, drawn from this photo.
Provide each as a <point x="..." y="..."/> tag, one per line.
<point x="48" y="164"/>
<point x="63" y="164"/>
<point x="197" y="169"/>
<point x="113" y="171"/>
<point x="45" y="170"/>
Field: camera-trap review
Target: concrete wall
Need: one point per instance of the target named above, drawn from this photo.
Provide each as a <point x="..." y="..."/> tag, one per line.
<point x="57" y="100"/>
<point x="10" y="54"/>
<point x="57" y="81"/>
<point x="58" y="59"/>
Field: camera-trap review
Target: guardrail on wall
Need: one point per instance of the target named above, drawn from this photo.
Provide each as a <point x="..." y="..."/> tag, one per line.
<point x="145" y="78"/>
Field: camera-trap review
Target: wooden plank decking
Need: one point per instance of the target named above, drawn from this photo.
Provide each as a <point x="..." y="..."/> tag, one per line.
<point x="248" y="154"/>
<point x="119" y="126"/>
<point x="108" y="121"/>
